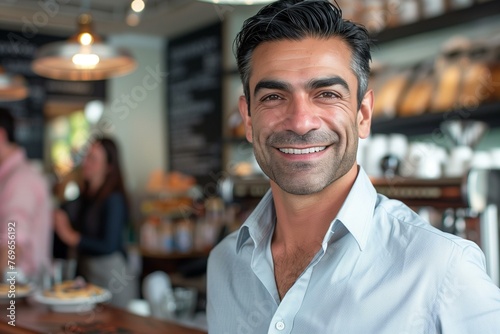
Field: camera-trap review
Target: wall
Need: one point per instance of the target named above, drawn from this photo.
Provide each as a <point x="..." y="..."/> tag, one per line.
<point x="135" y="111"/>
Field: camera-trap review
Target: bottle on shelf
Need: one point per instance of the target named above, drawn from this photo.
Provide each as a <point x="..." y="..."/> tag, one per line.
<point x="184" y="236"/>
<point x="149" y="234"/>
<point x="167" y="235"/>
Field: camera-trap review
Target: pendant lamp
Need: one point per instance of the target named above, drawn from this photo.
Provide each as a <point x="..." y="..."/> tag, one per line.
<point x="238" y="2"/>
<point x="12" y="87"/>
<point x="83" y="57"/>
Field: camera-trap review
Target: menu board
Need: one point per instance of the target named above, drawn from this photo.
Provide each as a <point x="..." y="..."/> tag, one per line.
<point x="17" y="51"/>
<point x="194" y="100"/>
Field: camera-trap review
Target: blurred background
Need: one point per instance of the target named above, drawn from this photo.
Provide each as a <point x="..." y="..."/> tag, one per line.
<point x="170" y="99"/>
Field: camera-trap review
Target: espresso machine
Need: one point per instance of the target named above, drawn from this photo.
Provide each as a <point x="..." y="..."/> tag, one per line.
<point x="482" y="193"/>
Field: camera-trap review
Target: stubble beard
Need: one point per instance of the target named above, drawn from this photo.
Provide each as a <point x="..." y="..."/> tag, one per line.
<point x="305" y="178"/>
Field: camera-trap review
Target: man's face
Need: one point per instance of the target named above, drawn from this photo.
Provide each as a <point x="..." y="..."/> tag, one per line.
<point x="304" y="123"/>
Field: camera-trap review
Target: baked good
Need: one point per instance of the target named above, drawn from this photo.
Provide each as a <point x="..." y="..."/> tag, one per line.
<point x="387" y="96"/>
<point x="447" y="90"/>
<point x="21" y="289"/>
<point x="417" y="98"/>
<point x="73" y="289"/>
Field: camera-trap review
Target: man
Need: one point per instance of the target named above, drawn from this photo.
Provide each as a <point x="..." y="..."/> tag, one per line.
<point x="323" y="252"/>
<point x="25" y="209"/>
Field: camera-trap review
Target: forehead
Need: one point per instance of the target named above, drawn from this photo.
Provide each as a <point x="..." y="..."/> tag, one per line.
<point x="308" y="57"/>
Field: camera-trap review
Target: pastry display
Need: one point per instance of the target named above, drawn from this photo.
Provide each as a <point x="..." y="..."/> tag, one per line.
<point x="388" y="94"/>
<point x="417" y="97"/>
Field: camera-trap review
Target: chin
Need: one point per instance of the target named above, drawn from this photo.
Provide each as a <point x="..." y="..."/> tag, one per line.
<point x="302" y="188"/>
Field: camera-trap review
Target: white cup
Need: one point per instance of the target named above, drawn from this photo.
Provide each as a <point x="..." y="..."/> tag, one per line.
<point x="495" y="157"/>
<point x="424" y="160"/>
<point x="481" y="160"/>
<point x="374" y="152"/>
<point x="459" y="162"/>
<point x="398" y="145"/>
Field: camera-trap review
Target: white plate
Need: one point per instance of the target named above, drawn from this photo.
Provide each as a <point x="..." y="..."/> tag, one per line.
<point x="4" y="298"/>
<point x="82" y="304"/>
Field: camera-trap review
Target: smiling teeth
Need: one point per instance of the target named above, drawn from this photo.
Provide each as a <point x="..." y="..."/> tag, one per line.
<point x="304" y="151"/>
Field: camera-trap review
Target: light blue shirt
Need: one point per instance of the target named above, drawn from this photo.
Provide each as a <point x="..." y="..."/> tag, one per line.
<point x="381" y="269"/>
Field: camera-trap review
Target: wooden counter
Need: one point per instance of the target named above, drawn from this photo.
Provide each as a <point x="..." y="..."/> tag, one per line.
<point x="31" y="318"/>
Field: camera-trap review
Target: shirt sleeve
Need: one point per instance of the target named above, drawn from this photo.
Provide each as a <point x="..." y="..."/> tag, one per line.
<point x="469" y="302"/>
<point x="113" y="219"/>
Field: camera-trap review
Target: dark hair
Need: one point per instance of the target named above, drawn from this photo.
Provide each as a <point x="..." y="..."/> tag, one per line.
<point x="7" y="123"/>
<point x="114" y="179"/>
<point x="298" y="19"/>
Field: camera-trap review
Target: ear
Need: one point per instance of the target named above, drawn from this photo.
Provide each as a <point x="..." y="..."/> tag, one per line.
<point x="245" y="116"/>
<point x="364" y="117"/>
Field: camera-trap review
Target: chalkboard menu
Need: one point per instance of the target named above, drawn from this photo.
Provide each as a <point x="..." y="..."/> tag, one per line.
<point x="194" y="100"/>
<point x="17" y="51"/>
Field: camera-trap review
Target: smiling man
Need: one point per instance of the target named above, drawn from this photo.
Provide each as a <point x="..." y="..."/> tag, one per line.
<point x="323" y="252"/>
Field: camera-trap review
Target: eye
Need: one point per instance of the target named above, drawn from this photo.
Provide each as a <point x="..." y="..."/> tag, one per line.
<point x="271" y="97"/>
<point x="329" y="95"/>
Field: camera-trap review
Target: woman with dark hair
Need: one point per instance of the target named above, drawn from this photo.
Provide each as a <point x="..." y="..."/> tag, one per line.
<point x="94" y="223"/>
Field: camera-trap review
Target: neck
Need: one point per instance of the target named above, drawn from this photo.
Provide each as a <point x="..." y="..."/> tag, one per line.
<point x="303" y="220"/>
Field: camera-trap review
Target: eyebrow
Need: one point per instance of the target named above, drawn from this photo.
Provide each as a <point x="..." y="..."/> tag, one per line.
<point x="327" y="82"/>
<point x="313" y="84"/>
<point x="271" y="84"/>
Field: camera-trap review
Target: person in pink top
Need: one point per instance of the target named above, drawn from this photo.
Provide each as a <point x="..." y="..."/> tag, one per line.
<point x="25" y="209"/>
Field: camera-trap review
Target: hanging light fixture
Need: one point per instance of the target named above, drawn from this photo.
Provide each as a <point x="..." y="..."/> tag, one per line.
<point x="136" y="8"/>
<point x="238" y="2"/>
<point x="12" y="87"/>
<point x="83" y="57"/>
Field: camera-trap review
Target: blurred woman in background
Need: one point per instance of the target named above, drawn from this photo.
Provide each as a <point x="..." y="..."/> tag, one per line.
<point x="95" y="223"/>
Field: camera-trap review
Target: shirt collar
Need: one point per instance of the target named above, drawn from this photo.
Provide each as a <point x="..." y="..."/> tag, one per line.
<point x="257" y="225"/>
<point x="357" y="211"/>
<point x="355" y="219"/>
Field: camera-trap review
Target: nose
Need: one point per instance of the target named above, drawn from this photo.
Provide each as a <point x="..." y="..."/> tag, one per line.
<point x="302" y="116"/>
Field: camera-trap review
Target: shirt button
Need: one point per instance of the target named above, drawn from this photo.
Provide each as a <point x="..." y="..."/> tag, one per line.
<point x="280" y="325"/>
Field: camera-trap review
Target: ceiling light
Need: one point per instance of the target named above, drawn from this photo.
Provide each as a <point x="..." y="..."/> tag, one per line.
<point x="83" y="57"/>
<point x="134" y="13"/>
<point x="93" y="111"/>
<point x="238" y="2"/>
<point x="12" y="87"/>
<point x="137" y="6"/>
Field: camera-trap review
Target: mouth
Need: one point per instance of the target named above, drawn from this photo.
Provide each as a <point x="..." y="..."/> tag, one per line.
<point x="297" y="151"/>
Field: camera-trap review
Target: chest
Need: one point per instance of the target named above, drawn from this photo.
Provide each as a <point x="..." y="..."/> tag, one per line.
<point x="288" y="267"/>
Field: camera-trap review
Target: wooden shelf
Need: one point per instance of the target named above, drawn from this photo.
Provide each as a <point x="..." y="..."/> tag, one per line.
<point x="429" y="123"/>
<point x="452" y="18"/>
<point x="443" y="192"/>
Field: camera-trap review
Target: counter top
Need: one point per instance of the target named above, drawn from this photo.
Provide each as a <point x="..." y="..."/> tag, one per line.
<point x="31" y="318"/>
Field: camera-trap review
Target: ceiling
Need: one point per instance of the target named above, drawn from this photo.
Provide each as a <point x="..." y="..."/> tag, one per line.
<point x="161" y="17"/>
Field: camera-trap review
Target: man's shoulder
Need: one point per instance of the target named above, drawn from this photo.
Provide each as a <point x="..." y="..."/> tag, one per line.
<point x="226" y="245"/>
<point x="26" y="176"/>
<point x="406" y="225"/>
